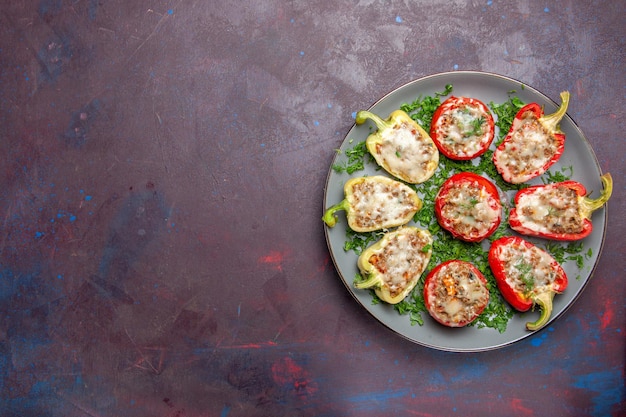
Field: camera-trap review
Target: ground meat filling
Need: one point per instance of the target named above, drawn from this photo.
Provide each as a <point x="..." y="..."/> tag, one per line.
<point x="469" y="209"/>
<point x="406" y="153"/>
<point x="552" y="210"/>
<point x="377" y="203"/>
<point x="463" y="130"/>
<point x="401" y="260"/>
<point x="531" y="146"/>
<point x="528" y="270"/>
<point x="456" y="295"/>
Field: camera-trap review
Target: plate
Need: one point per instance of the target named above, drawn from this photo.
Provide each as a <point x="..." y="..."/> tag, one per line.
<point x="578" y="154"/>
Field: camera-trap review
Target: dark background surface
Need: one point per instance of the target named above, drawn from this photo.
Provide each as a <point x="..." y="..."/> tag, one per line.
<point x="162" y="170"/>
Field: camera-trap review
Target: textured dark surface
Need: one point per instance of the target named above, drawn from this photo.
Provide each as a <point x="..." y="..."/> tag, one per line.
<point x="162" y="169"/>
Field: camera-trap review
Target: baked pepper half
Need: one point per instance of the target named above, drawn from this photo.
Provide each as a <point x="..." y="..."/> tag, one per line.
<point x="455" y="293"/>
<point x="375" y="203"/>
<point x="468" y="206"/>
<point x="533" y="144"/>
<point x="462" y="128"/>
<point x="559" y="211"/>
<point x="401" y="146"/>
<point x="393" y="265"/>
<point x="526" y="276"/>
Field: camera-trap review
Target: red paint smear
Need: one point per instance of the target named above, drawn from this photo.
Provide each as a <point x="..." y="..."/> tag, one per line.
<point x="516" y="404"/>
<point x="607" y="317"/>
<point x="250" y="345"/>
<point x="286" y="372"/>
<point x="274" y="258"/>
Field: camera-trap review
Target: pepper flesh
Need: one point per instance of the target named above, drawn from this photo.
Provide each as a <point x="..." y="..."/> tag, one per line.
<point x="534" y="138"/>
<point x="393" y="265"/>
<point x="401" y="146"/>
<point x="554" y="221"/>
<point x="374" y="203"/>
<point x="526" y="276"/>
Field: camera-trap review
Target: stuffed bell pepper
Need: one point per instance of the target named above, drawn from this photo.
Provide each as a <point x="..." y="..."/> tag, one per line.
<point x="559" y="211"/>
<point x="526" y="276"/>
<point x="393" y="265"/>
<point x="401" y="146"/>
<point x="462" y="128"/>
<point x="455" y="293"/>
<point x="375" y="203"/>
<point x="533" y="144"/>
<point x="468" y="206"/>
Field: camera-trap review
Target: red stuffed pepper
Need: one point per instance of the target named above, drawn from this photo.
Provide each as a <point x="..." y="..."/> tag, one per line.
<point x="462" y="128"/>
<point x="533" y="144"/>
<point x="455" y="293"/>
<point x="468" y="206"/>
<point x="526" y="276"/>
<point x="559" y="211"/>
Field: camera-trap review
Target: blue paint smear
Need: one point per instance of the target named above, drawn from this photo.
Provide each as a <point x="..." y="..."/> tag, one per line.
<point x="145" y="212"/>
<point x="77" y="131"/>
<point x="609" y="387"/>
<point x="49" y="8"/>
<point x="376" y="400"/>
<point x="93" y="9"/>
<point x="225" y="411"/>
<point x="52" y="57"/>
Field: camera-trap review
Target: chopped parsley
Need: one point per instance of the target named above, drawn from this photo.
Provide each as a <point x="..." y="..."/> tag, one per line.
<point x="355" y="159"/>
<point x="558" y="176"/>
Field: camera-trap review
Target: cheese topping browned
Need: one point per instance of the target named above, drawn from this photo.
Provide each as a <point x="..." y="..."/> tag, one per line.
<point x="551" y="209"/>
<point x="406" y="153"/>
<point x="455" y="295"/>
<point x="470" y="209"/>
<point x="463" y="130"/>
<point x="381" y="202"/>
<point x="403" y="258"/>
<point x="530" y="148"/>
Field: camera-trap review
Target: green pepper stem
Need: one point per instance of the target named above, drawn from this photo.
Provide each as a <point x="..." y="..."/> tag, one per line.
<point x="363" y="115"/>
<point x="589" y="205"/>
<point x="329" y="216"/>
<point x="371" y="281"/>
<point x="544" y="301"/>
<point x="551" y="121"/>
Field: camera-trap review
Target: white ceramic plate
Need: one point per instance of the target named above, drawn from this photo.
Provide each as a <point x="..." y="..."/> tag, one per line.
<point x="578" y="154"/>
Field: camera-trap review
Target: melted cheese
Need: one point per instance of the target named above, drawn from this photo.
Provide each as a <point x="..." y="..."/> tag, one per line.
<point x="527" y="269"/>
<point x="406" y="154"/>
<point x="526" y="151"/>
<point x="455" y="294"/>
<point x="457" y="132"/>
<point x="379" y="202"/>
<point x="469" y="209"/>
<point x="550" y="209"/>
<point x="402" y="259"/>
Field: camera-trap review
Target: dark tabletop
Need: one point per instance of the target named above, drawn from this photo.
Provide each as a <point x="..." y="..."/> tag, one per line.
<point x="162" y="174"/>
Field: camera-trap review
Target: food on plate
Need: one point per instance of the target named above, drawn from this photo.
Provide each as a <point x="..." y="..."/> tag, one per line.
<point x="468" y="206"/>
<point x="526" y="276"/>
<point x="375" y="203"/>
<point x="533" y="144"/>
<point x="462" y="128"/>
<point x="559" y="211"/>
<point x="455" y="293"/>
<point x="393" y="265"/>
<point x="401" y="146"/>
